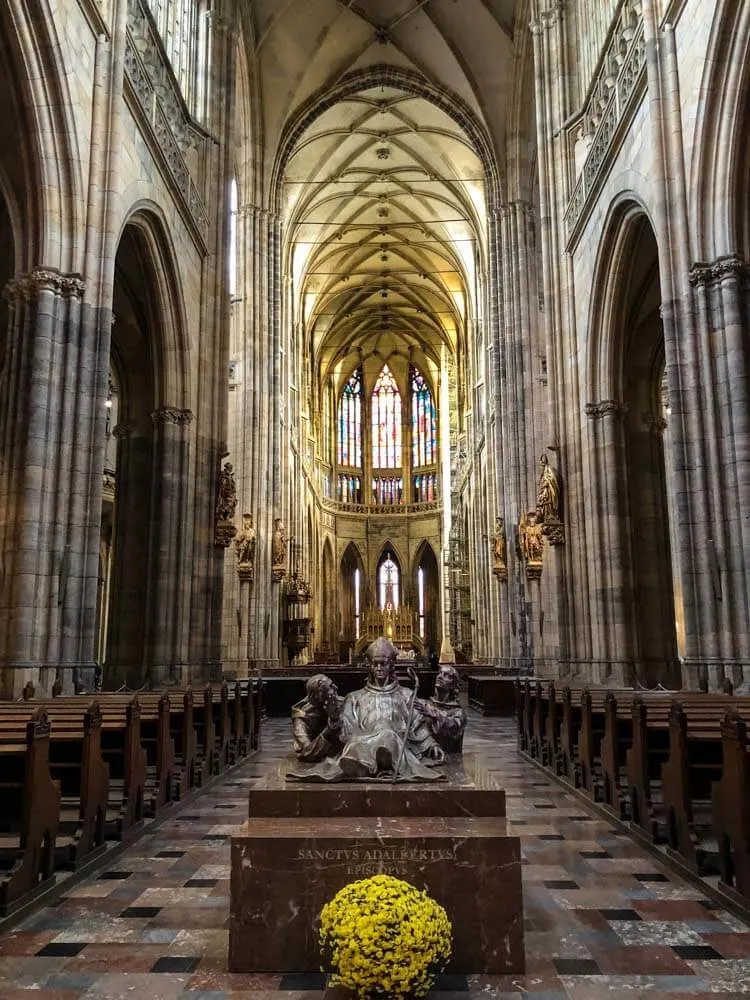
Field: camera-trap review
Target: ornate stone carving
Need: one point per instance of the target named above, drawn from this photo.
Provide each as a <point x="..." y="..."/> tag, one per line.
<point x="27" y="286"/>
<point x="548" y="503"/>
<point x="171" y="415"/>
<point x="500" y="550"/>
<point x="124" y="429"/>
<point x="729" y="266"/>
<point x="531" y="543"/>
<point x="620" y="72"/>
<point x="655" y="422"/>
<point x="278" y="551"/>
<point x="226" y="505"/>
<point x="606" y="408"/>
<point x="163" y="106"/>
<point x="244" y="545"/>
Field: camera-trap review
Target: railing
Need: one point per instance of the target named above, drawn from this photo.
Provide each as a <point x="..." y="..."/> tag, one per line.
<point x="607" y="105"/>
<point x="341" y="507"/>
<point x="157" y="92"/>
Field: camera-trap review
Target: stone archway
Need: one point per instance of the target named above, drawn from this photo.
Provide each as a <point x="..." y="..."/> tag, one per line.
<point x="428" y="591"/>
<point x="145" y="644"/>
<point x="639" y="596"/>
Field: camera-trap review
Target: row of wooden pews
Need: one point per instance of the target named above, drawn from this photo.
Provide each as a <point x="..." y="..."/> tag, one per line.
<point x="675" y="766"/>
<point x="78" y="771"/>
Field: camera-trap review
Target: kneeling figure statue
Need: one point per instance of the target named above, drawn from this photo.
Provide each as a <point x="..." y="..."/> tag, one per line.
<point x="374" y="734"/>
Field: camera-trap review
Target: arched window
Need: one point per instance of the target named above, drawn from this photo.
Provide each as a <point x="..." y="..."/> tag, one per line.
<point x="182" y="27"/>
<point x="357" y="603"/>
<point x="350" y="423"/>
<point x="423" y="422"/>
<point x="388" y="583"/>
<point x="386" y="422"/>
<point x="233" y="207"/>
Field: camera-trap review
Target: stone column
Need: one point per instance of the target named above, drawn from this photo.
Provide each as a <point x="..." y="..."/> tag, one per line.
<point x="48" y="425"/>
<point x="165" y="636"/>
<point x="722" y="290"/>
<point x="611" y="598"/>
<point x="688" y="451"/>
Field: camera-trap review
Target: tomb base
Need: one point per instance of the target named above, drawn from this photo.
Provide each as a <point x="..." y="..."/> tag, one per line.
<point x="284" y="870"/>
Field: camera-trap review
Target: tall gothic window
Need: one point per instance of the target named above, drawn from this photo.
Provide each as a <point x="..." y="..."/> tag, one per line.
<point x="423" y="422"/>
<point x="388" y="582"/>
<point x="233" y="208"/>
<point x="386" y="422"/>
<point x="181" y="25"/>
<point x="350" y="423"/>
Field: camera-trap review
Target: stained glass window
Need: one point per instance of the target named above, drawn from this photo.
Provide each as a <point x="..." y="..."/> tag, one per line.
<point x="350" y="423"/>
<point x="423" y="422"/>
<point x="386" y="422"/>
<point x="388" y="583"/>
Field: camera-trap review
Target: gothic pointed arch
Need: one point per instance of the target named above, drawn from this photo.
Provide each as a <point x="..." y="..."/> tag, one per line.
<point x="45" y="147"/>
<point x="720" y="193"/>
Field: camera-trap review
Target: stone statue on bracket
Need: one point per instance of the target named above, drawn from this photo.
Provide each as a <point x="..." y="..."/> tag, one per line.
<point x="548" y="502"/>
<point x="445" y="717"/>
<point x="500" y="550"/>
<point x="244" y="545"/>
<point x="278" y="550"/>
<point x="226" y="505"/>
<point x="382" y="735"/>
<point x="532" y="543"/>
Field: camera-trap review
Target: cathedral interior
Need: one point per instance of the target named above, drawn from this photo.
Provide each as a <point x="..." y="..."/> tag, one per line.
<point x="332" y="319"/>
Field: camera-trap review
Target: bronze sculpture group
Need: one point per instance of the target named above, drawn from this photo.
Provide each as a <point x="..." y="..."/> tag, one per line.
<point x="381" y="732"/>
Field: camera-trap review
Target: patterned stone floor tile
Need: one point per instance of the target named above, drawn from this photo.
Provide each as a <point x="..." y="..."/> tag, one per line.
<point x="173" y="921"/>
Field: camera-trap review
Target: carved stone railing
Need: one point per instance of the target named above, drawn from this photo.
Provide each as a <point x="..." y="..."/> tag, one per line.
<point x="174" y="131"/>
<point x="607" y="107"/>
<point x="374" y="509"/>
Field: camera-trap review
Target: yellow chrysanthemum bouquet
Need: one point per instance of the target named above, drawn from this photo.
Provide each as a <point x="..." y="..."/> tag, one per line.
<point x="381" y="937"/>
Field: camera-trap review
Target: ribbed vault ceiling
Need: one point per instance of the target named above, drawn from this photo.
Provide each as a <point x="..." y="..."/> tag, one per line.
<point x="384" y="194"/>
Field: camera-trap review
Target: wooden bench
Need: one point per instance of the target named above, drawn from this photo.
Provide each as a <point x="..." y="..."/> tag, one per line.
<point x="75" y="761"/>
<point x="30" y="811"/>
<point x="694" y="764"/>
<point x="730" y="798"/>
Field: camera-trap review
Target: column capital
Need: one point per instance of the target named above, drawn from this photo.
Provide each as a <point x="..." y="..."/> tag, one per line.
<point x="606" y="408"/>
<point x="655" y="422"/>
<point x="713" y="272"/>
<point x="171" y="415"/>
<point x="28" y="286"/>
<point x="124" y="430"/>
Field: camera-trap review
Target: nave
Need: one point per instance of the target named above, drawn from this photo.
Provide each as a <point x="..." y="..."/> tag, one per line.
<point x="603" y="918"/>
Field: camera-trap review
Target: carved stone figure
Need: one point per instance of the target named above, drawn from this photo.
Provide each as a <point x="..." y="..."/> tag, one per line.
<point x="445" y="717"/>
<point x="316" y="721"/>
<point x="548" y="493"/>
<point x="278" y="545"/>
<point x="499" y="549"/>
<point x="532" y="544"/>
<point x="226" y="505"/>
<point x="244" y="545"/>
<point x="381" y="733"/>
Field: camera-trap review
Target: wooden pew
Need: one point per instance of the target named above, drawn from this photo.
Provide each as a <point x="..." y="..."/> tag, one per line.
<point x="30" y="811"/>
<point x="730" y="798"/>
<point x="222" y="730"/>
<point x="695" y="763"/>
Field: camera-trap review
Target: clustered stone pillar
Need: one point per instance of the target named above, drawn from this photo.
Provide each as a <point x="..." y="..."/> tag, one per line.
<point x="165" y="634"/>
<point x="612" y="625"/>
<point x="47" y="429"/>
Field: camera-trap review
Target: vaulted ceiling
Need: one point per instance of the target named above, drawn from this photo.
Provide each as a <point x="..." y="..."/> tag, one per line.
<point x="384" y="192"/>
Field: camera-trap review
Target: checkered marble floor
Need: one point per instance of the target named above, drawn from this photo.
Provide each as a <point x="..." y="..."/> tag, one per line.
<point x="603" y="918"/>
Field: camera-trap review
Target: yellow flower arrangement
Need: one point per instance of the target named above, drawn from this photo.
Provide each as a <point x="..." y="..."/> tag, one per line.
<point x="381" y="937"/>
